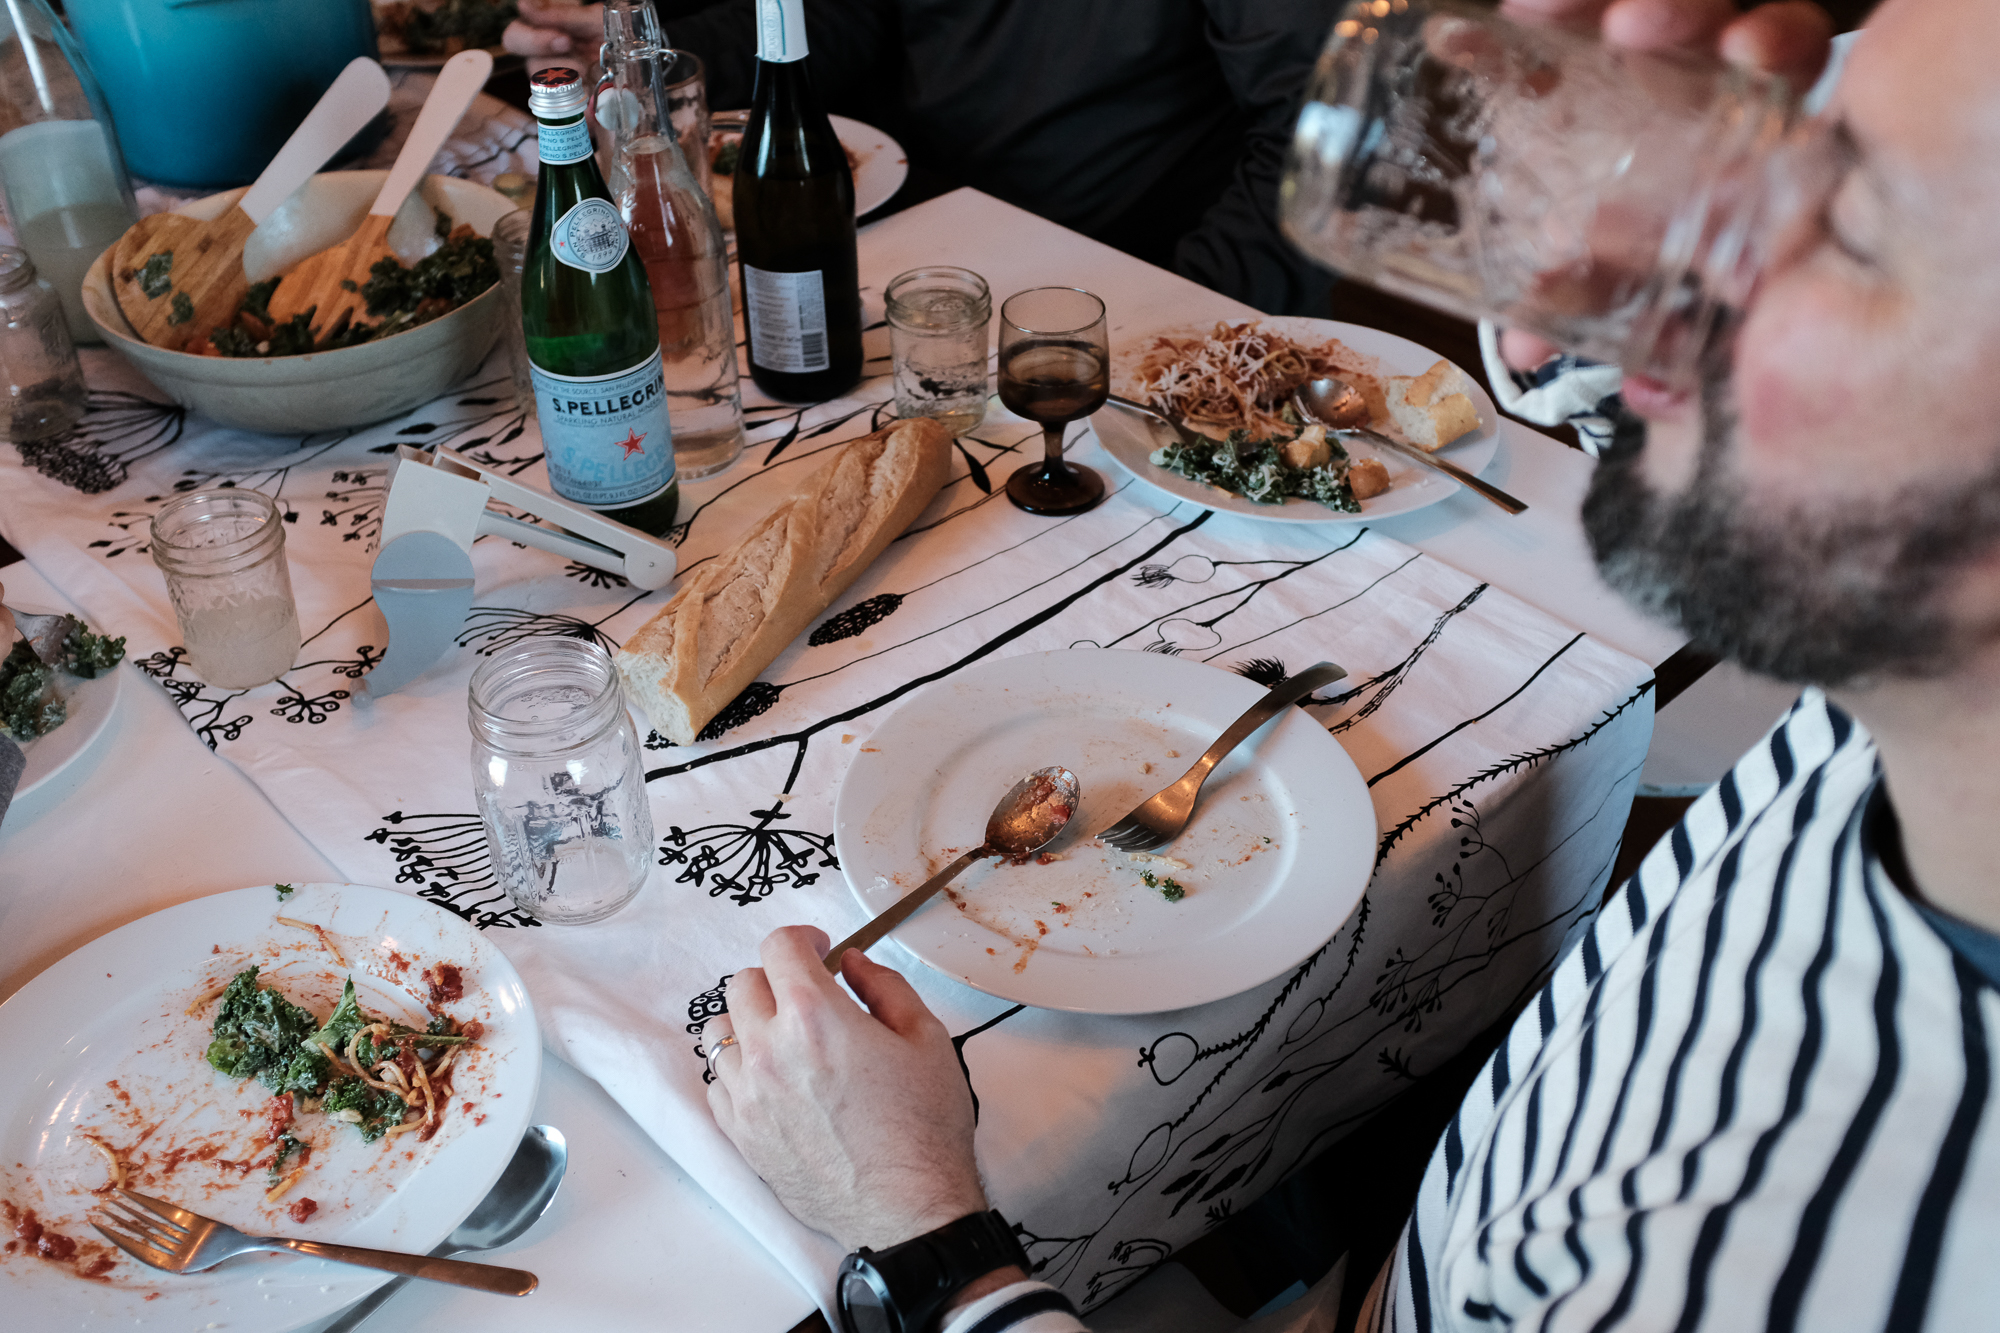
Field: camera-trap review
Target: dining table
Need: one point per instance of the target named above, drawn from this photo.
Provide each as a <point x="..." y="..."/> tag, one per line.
<point x="1498" y="706"/>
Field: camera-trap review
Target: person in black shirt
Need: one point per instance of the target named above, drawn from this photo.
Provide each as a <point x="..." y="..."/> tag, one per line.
<point x="1158" y="128"/>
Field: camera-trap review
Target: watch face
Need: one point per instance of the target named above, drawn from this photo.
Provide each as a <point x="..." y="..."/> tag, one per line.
<point x="861" y="1306"/>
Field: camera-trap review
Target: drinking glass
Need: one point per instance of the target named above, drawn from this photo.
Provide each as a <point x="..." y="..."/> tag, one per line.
<point x="510" y="252"/>
<point x="223" y="552"/>
<point x="1619" y="203"/>
<point x="1055" y="368"/>
<point x="556" y="771"/>
<point x="938" y="319"/>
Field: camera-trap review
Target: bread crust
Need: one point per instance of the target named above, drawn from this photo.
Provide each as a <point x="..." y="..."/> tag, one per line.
<point x="736" y="613"/>
<point x="1431" y="409"/>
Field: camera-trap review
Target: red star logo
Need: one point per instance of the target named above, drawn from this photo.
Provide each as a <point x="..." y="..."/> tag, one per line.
<point x="633" y="443"/>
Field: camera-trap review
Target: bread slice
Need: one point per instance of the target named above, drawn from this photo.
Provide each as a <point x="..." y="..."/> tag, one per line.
<point x="736" y="613"/>
<point x="1432" y="409"/>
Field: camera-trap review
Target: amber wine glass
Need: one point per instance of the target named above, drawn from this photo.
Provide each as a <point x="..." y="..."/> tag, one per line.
<point x="1055" y="368"/>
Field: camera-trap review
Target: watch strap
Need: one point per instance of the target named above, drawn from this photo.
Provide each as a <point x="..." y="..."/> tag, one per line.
<point x="918" y="1278"/>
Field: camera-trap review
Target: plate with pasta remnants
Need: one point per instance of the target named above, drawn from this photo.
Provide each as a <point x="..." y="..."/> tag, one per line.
<point x="322" y="1061"/>
<point x="1277" y="854"/>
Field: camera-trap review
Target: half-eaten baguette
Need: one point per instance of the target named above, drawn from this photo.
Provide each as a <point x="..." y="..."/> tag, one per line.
<point x="1432" y="409"/>
<point x="736" y="613"/>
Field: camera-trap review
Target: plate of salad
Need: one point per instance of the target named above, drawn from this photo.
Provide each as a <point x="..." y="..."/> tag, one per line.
<point x="1256" y="458"/>
<point x="330" y="1062"/>
<point x="55" y="710"/>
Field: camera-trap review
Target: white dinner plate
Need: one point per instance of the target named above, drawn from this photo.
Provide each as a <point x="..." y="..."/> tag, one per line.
<point x="1278" y="853"/>
<point x="91" y="704"/>
<point x="880" y="165"/>
<point x="102" y="1043"/>
<point x="1131" y="438"/>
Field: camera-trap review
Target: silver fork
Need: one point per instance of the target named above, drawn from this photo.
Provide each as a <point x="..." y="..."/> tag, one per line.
<point x="164" y="1236"/>
<point x="1159" y="818"/>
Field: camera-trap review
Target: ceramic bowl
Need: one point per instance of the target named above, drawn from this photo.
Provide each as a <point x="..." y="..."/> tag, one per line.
<point x="320" y="391"/>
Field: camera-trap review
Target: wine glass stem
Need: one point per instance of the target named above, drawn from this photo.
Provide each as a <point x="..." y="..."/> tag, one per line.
<point x="1052" y="442"/>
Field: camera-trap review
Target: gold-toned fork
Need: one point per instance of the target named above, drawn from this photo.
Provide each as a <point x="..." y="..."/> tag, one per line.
<point x="1159" y="818"/>
<point x="162" y="1235"/>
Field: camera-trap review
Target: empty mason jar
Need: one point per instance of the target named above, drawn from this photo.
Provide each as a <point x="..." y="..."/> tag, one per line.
<point x="1620" y="203"/>
<point x="44" y="381"/>
<point x="561" y="791"/>
<point x="938" y="322"/>
<point x="223" y="552"/>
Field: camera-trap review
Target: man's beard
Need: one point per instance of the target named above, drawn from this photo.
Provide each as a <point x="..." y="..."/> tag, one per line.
<point x="1831" y="597"/>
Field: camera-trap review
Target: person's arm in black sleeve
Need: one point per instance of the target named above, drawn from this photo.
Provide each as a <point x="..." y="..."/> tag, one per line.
<point x="852" y="50"/>
<point x="1266" y="50"/>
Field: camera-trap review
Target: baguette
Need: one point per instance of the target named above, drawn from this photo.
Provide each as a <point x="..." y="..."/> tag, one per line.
<point x="1431" y="409"/>
<point x="736" y="613"/>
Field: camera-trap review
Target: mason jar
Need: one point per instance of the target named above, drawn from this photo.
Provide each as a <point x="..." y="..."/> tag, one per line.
<point x="938" y="322"/>
<point x="223" y="553"/>
<point x="556" y="770"/>
<point x="43" y="378"/>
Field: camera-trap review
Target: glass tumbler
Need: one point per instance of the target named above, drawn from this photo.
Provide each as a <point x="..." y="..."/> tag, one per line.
<point x="1619" y="203"/>
<point x="561" y="791"/>
<point x="223" y="552"/>
<point x="938" y="322"/>
<point x="510" y="252"/>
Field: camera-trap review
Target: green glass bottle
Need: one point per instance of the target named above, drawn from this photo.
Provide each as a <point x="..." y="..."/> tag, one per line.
<point x="593" y="339"/>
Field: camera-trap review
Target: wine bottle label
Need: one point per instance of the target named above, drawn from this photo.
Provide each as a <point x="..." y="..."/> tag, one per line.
<point x="787" y="317"/>
<point x="606" y="437"/>
<point x="781" y="30"/>
<point x="563" y="144"/>
<point x="591" y="236"/>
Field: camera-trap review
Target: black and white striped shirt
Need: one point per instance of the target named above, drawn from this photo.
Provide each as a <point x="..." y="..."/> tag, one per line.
<point x="1756" y="1095"/>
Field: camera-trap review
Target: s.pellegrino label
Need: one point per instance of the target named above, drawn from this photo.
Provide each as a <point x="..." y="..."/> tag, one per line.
<point x="787" y="317"/>
<point x="563" y="144"/>
<point x="591" y="236"/>
<point x="606" y="436"/>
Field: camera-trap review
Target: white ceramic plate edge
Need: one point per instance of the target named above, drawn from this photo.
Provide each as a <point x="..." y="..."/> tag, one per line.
<point x="92" y="704"/>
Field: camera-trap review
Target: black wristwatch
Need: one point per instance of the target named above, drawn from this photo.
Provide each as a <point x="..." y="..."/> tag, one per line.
<point x="902" y="1289"/>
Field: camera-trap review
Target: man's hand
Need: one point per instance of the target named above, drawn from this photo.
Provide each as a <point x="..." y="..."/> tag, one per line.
<point x="858" y="1119"/>
<point x="555" y="29"/>
<point x="1789" y="38"/>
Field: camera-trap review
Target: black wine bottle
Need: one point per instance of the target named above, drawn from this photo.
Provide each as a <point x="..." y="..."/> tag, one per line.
<point x="593" y="340"/>
<point x="794" y="200"/>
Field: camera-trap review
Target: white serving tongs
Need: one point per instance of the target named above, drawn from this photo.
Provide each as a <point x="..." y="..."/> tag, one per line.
<point x="437" y="507"/>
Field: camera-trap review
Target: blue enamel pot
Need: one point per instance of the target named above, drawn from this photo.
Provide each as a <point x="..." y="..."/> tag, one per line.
<point x="205" y="92"/>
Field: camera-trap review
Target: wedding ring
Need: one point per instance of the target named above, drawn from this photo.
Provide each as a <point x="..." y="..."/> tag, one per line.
<point x="722" y="1044"/>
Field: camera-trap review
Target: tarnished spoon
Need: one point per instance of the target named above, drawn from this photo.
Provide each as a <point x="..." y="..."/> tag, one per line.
<point x="1337" y="405"/>
<point x="1028" y="818"/>
<point x="521" y="1195"/>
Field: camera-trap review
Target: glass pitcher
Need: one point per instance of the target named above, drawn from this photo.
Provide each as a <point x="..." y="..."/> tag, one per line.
<point x="67" y="194"/>
<point x="673" y="227"/>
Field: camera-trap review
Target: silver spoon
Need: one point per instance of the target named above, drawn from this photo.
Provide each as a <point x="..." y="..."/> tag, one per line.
<point x="1028" y="818"/>
<point x="521" y="1195"/>
<point x="1337" y="405"/>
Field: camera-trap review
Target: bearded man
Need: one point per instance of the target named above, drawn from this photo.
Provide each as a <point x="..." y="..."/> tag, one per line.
<point x="1759" y="1093"/>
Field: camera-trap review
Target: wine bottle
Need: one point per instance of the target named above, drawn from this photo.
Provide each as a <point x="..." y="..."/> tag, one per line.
<point x="794" y="204"/>
<point x="593" y="341"/>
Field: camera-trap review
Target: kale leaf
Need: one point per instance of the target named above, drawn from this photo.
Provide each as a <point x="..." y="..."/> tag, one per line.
<point x="29" y="705"/>
<point x="1252" y="469"/>
<point x="257" y="1032"/>
<point x="153" y="279"/>
<point x="288" y="1147"/>
<point x="368" y="1109"/>
<point x="308" y="1068"/>
<point x="455" y="273"/>
<point x="182" y="311"/>
<point x="90" y="655"/>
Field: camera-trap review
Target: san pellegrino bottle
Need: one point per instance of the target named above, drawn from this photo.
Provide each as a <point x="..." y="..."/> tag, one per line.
<point x="593" y="341"/>
<point x="794" y="203"/>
